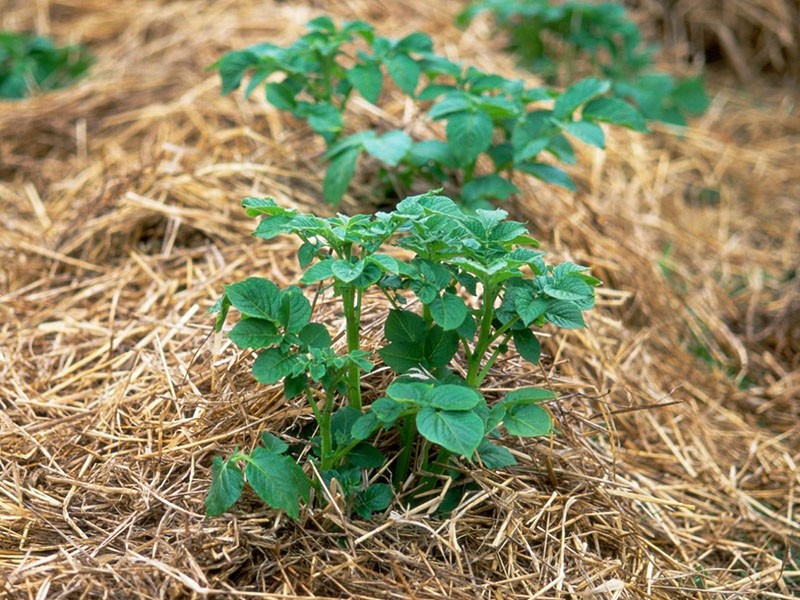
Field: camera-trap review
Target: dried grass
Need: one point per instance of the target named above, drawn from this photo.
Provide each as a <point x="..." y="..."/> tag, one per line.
<point x="676" y="475"/>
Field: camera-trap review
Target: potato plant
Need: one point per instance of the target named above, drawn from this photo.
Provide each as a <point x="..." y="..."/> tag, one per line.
<point x="485" y="115"/>
<point x="473" y="286"/>
<point x="550" y="37"/>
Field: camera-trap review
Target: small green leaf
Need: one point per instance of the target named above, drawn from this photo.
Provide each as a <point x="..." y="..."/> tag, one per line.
<point x="366" y="456"/>
<point x="365" y="426"/>
<point x="255" y="297"/>
<point x="254" y="333"/>
<point x="404" y="326"/>
<point x="401" y="357"/>
<point x="346" y="271"/>
<point x="527" y="420"/>
<point x="315" y="335"/>
<point x="324" y="118"/>
<point x="278" y="481"/>
<point x="529" y="307"/>
<point x="569" y="288"/>
<point x="548" y="173"/>
<point x="577" y="94"/>
<point x="564" y="314"/>
<point x="469" y="134"/>
<point x="390" y="148"/>
<point x="452" y="397"/>
<point x="272" y="365"/>
<point x="340" y="172"/>
<point x="375" y="498"/>
<point x="295" y="311"/>
<point x="449" y="311"/>
<point x="273" y="444"/>
<point x="459" y="432"/>
<point x="527" y="395"/>
<point x="318" y="272"/>
<point x="404" y="71"/>
<point x="418" y="42"/>
<point x="495" y="457"/>
<point x="614" y="111"/>
<point x="414" y="392"/>
<point x="367" y="79"/>
<point x="281" y="96"/>
<point x="387" y="410"/>
<point x="226" y="487"/>
<point x="527" y="345"/>
<point x="440" y="347"/>
<point x="221" y="308"/>
<point x="589" y="133"/>
<point x="492" y="187"/>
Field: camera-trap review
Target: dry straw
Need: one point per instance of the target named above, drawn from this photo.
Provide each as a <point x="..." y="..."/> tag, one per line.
<point x="676" y="472"/>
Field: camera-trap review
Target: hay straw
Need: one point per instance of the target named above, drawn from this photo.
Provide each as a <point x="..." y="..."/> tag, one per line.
<point x="676" y="472"/>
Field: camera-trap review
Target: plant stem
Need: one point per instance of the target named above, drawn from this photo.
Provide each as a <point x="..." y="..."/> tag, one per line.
<point x="323" y="417"/>
<point x="407" y="445"/>
<point x="484" y="338"/>
<point x="353" y="326"/>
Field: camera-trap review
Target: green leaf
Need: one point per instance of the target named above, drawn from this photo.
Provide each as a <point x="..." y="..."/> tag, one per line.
<point x="577" y="94"/>
<point x="469" y="134"/>
<point x="390" y="148"/>
<point x="548" y="173"/>
<point x="401" y="357"/>
<point x="527" y="420"/>
<point x="272" y="365"/>
<point x="569" y="288"/>
<point x="315" y="335"/>
<point x="375" y="498"/>
<point x="431" y="151"/>
<point x="278" y="481"/>
<point x="281" y="96"/>
<point x="495" y="457"/>
<point x="459" y="432"/>
<point x="452" y="397"/>
<point x="271" y="227"/>
<point x="221" y="307"/>
<point x="449" y="311"/>
<point x="342" y="422"/>
<point x="366" y="456"/>
<point x="418" y="42"/>
<point x="295" y="311"/>
<point x="346" y="271"/>
<point x="324" y="118"/>
<point x="564" y="314"/>
<point x="294" y="386"/>
<point x="365" y="426"/>
<point x="273" y="444"/>
<point x="404" y="71"/>
<point x="589" y="133"/>
<point x="413" y="392"/>
<point x="387" y="410"/>
<point x="340" y="172"/>
<point x="492" y="186"/>
<point x="367" y="79"/>
<point x="318" y="272"/>
<point x="527" y="345"/>
<point x="614" y="111"/>
<point x="405" y="326"/>
<point x="255" y="297"/>
<point x="527" y="395"/>
<point x="529" y="307"/>
<point x="440" y="347"/>
<point x="386" y="263"/>
<point x="690" y="96"/>
<point x="226" y="487"/>
<point x="254" y="333"/>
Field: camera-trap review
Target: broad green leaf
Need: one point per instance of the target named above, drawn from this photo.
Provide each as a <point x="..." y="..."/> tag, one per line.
<point x="414" y="392"/>
<point x="449" y="311"/>
<point x="294" y="386"/>
<point x="569" y="288"/>
<point x="564" y="314"/>
<point x="589" y="133"/>
<point x="459" y="432"/>
<point x="273" y="444"/>
<point x="255" y="297"/>
<point x="367" y="79"/>
<point x="456" y="102"/>
<point x="528" y="306"/>
<point x="690" y="96"/>
<point x="440" y="347"/>
<point x="495" y="457"/>
<point x="365" y="426"/>
<point x="404" y="326"/>
<point x="548" y="173"/>
<point x="386" y="263"/>
<point x="404" y="71"/>
<point x="272" y="365"/>
<point x="278" y="481"/>
<point x="401" y="356"/>
<point x="577" y="94"/>
<point x="614" y="111"/>
<point x="469" y="134"/>
<point x="254" y="333"/>
<point x="387" y="410"/>
<point x="415" y="42"/>
<point x="271" y="227"/>
<point x="527" y="395"/>
<point x="342" y="422"/>
<point x="527" y="345"/>
<point x="318" y="272"/>
<point x="493" y="418"/>
<point x="315" y="335"/>
<point x="375" y="498"/>
<point x="295" y="311"/>
<point x="281" y="96"/>
<point x="340" y="172"/>
<point x="527" y="420"/>
<point x="491" y="186"/>
<point x="390" y="148"/>
<point x="366" y="456"/>
<point x="427" y="151"/>
<point x="226" y="487"/>
<point x="324" y="118"/>
<point x="452" y="397"/>
<point x="346" y="271"/>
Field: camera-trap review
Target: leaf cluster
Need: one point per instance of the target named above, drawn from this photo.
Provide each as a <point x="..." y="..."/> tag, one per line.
<point x="549" y="35"/>
<point x="484" y="114"/>
<point x="31" y="63"/>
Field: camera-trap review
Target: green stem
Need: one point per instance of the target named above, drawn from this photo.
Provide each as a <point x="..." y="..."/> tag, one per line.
<point x="484" y="337"/>
<point x="352" y="323"/>
<point x="407" y="434"/>
<point x="323" y="417"/>
<point x="490" y="363"/>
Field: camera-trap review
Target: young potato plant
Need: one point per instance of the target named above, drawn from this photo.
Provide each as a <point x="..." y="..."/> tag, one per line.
<point x="551" y="37"/>
<point x="485" y="115"/>
<point x="473" y="285"/>
<point x="31" y="63"/>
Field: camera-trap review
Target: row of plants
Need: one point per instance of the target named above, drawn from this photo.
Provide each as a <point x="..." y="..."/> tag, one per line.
<point x="553" y="38"/>
<point x="31" y="64"/>
<point x="485" y="115"/>
<point x="472" y="287"/>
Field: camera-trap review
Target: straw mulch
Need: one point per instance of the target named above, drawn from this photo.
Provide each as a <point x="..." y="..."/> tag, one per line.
<point x="675" y="475"/>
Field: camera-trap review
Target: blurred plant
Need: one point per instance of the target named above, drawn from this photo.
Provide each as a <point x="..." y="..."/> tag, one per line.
<point x="551" y="38"/>
<point x="31" y="64"/>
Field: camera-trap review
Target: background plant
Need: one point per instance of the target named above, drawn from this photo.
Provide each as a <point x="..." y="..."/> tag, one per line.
<point x="486" y="115"/>
<point x="473" y="285"/>
<point x="31" y="63"/>
<point x="552" y="38"/>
